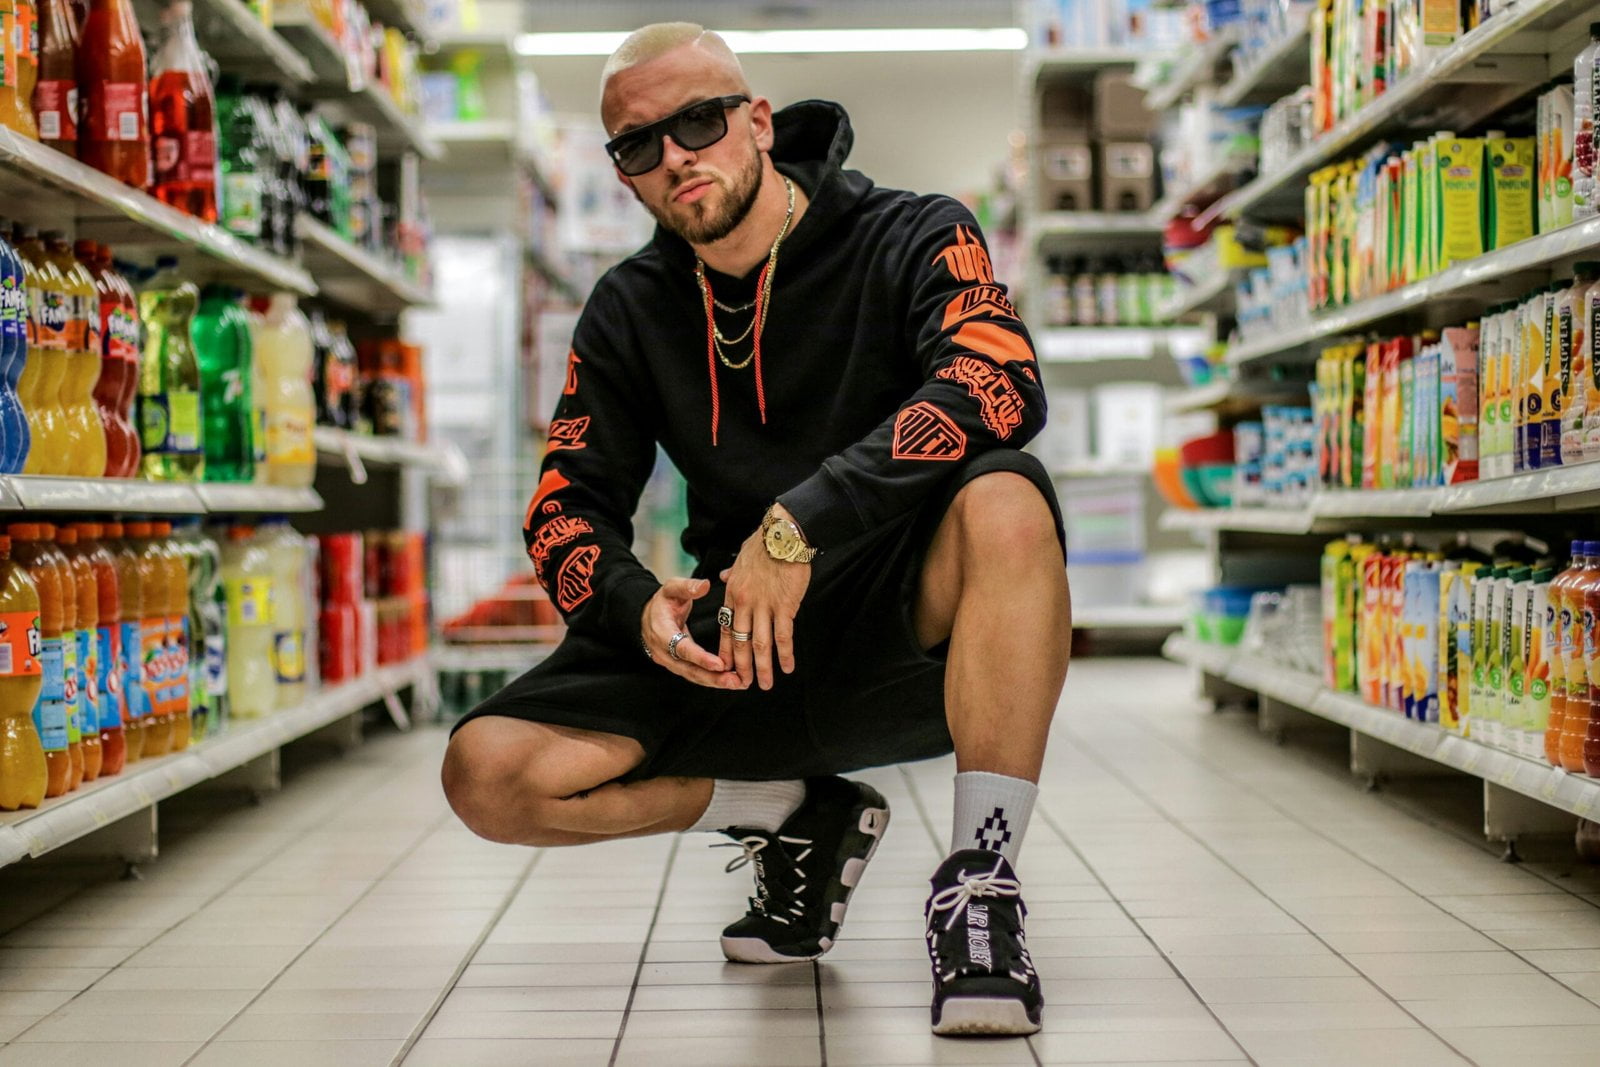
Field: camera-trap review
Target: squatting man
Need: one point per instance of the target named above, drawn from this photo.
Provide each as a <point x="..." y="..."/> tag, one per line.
<point x="880" y="574"/>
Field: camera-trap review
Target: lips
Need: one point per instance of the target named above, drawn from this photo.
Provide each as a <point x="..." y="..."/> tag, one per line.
<point x="692" y="192"/>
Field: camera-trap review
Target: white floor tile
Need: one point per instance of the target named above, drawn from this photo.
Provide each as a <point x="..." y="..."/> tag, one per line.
<point x="458" y="1052"/>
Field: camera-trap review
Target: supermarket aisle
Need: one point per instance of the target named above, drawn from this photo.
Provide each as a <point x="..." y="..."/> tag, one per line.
<point x="1197" y="895"/>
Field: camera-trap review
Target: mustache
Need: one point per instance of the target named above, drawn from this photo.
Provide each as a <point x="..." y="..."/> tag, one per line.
<point x="689" y="179"/>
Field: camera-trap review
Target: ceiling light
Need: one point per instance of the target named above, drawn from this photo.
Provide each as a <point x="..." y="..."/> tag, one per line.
<point x="755" y="42"/>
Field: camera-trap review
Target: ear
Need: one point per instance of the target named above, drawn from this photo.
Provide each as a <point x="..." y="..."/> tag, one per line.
<point x="624" y="179"/>
<point x="761" y="122"/>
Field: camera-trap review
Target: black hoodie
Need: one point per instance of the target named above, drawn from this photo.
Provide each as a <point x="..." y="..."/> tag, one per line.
<point x="889" y="353"/>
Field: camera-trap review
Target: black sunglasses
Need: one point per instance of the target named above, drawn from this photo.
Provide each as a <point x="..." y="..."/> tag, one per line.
<point x="700" y="125"/>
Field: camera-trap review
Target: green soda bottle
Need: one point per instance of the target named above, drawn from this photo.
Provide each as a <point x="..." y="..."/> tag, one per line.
<point x="170" y="427"/>
<point x="221" y="336"/>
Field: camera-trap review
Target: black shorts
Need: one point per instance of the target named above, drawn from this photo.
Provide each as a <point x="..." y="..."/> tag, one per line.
<point x="863" y="694"/>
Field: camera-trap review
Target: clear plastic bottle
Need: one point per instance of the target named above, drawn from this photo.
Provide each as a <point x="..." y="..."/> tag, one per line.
<point x="248" y="594"/>
<point x="290" y="560"/>
<point x="283" y="349"/>
<point x="183" y="123"/>
<point x="208" y="668"/>
<point x="1585" y="101"/>
<point x="170" y="426"/>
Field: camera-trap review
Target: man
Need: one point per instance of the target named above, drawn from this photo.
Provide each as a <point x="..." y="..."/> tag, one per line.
<point x="880" y="571"/>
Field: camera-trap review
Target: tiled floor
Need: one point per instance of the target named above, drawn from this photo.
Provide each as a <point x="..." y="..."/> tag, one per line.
<point x="1197" y="895"/>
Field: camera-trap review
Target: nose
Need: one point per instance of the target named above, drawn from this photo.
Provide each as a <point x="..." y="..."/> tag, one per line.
<point x="674" y="155"/>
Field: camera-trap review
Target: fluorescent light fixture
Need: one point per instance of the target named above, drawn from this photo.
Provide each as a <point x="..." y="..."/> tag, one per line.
<point x="755" y="42"/>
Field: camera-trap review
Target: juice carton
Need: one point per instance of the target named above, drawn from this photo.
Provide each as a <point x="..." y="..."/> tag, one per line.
<point x="1489" y="396"/>
<point x="1555" y="166"/>
<point x="1335" y="555"/>
<point x="1458" y="404"/>
<point x="1372" y="414"/>
<point x="1389" y="403"/>
<point x="1353" y="370"/>
<point x="1425" y="631"/>
<point x="1539" y="643"/>
<point x="1550" y="415"/>
<point x="1348" y="635"/>
<point x="1479" y="640"/>
<point x="1505" y="362"/>
<point x="1460" y="176"/>
<point x="1394" y="613"/>
<point x="1326" y="405"/>
<point x="1588" y="321"/>
<point x="1574" y="354"/>
<point x="1406" y="450"/>
<point x="1370" y="649"/>
<point x="1321" y="69"/>
<point x="1513" y="718"/>
<point x="1461" y="637"/>
<point x="1427" y="441"/>
<point x="1556" y="649"/>
<point x="1449" y="664"/>
<point x="1486" y="726"/>
<point x="1441" y="26"/>
<point x="1510" y="210"/>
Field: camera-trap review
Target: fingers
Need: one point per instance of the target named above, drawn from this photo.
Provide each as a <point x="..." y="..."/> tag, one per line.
<point x="743" y="661"/>
<point x="685" y="588"/>
<point x="691" y="654"/>
<point x="783" y="641"/>
<point x="761" y="649"/>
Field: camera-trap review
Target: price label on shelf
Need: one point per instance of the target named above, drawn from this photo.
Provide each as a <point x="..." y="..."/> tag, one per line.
<point x="141" y="793"/>
<point x="1473" y="759"/>
<point x="1588" y="802"/>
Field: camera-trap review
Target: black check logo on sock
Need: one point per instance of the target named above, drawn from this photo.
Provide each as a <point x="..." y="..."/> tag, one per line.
<point x="995" y="833"/>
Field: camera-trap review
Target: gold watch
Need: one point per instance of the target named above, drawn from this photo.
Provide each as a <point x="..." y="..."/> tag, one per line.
<point x="783" y="539"/>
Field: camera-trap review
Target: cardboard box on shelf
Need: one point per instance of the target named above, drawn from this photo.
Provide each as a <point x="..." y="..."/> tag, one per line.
<point x="1066" y="176"/>
<point x="1127" y="176"/>
<point x="1066" y="110"/>
<point x="1119" y="111"/>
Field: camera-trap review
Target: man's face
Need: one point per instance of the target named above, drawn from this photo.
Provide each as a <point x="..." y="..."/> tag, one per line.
<point x="700" y="196"/>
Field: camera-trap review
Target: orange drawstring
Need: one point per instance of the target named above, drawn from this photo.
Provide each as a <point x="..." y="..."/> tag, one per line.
<point x="711" y="366"/>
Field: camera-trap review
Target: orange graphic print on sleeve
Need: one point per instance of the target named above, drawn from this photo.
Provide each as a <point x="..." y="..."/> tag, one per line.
<point x="568" y="434"/>
<point x="573" y="579"/>
<point x="552" y="482"/>
<point x="967" y="259"/>
<point x="987" y="300"/>
<point x="922" y="431"/>
<point x="572" y="372"/>
<point x="552" y="535"/>
<point x="1002" y="405"/>
<point x="996" y="342"/>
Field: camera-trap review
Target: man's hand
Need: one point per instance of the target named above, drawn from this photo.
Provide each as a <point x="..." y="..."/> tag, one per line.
<point x="667" y="613"/>
<point x="764" y="594"/>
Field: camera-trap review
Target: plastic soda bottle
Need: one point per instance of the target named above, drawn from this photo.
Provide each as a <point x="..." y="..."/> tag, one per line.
<point x="208" y="668"/>
<point x="131" y="575"/>
<point x="1584" y="592"/>
<point x="183" y="119"/>
<point x="175" y="650"/>
<point x="22" y="65"/>
<point x="289" y="558"/>
<point x="244" y="160"/>
<point x="117" y="333"/>
<point x="49" y="709"/>
<point x="107" y="659"/>
<point x="126" y="343"/>
<point x="40" y="384"/>
<point x="1585" y="97"/>
<point x="170" y="428"/>
<point x="55" y="95"/>
<point x="222" y="348"/>
<point x="152" y="647"/>
<point x="248" y="593"/>
<point x="13" y="355"/>
<point x="114" y="130"/>
<point x="284" y="352"/>
<point x="23" y="772"/>
<point x="69" y="652"/>
<point x="85" y="436"/>
<point x="1560" y="654"/>
<point x="83" y="692"/>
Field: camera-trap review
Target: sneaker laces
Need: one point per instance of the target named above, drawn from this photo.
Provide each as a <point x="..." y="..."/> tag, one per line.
<point x="955" y="898"/>
<point x="753" y="845"/>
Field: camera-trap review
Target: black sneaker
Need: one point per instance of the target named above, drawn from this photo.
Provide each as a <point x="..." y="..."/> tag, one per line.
<point x="983" y="979"/>
<point x="806" y="872"/>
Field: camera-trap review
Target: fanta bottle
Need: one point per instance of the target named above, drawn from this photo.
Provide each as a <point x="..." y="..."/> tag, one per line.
<point x="131" y="349"/>
<point x="117" y="333"/>
<point x="31" y="553"/>
<point x="85" y="437"/>
<point x="283" y="349"/>
<point x="107" y="661"/>
<point x="176" y="649"/>
<point x="169" y="379"/>
<point x="153" y="638"/>
<point x="69" y="652"/>
<point x="131" y="575"/>
<point x="40" y="384"/>
<point x="13" y="355"/>
<point x="84" y="690"/>
<point x="289" y="557"/>
<point x="23" y="772"/>
<point x="248" y="593"/>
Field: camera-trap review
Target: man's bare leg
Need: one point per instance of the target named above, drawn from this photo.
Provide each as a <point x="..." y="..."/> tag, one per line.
<point x="526" y="783"/>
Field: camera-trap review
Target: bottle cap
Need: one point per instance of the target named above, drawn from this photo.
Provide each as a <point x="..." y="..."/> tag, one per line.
<point x="66" y="535"/>
<point x="23" y="531"/>
<point x="162" y="529"/>
<point x="112" y="530"/>
<point x="241" y="532"/>
<point x="47" y="530"/>
<point x="1579" y="547"/>
<point x="137" y="529"/>
<point x="87" y="531"/>
<point x="5" y="546"/>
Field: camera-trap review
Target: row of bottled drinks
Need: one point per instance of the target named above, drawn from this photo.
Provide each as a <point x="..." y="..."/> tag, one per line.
<point x="109" y="369"/>
<point x="127" y="641"/>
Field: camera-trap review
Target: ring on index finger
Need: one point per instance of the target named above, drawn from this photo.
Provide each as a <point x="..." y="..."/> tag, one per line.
<point x="725" y="617"/>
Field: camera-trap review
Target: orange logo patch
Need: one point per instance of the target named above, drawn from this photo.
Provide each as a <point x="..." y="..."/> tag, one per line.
<point x="996" y="342"/>
<point x="572" y="372"/>
<point x="568" y="433"/>
<point x="552" y="482"/>
<point x="552" y="535"/>
<point x="572" y="580"/>
<point x="967" y="259"/>
<point x="922" y="431"/>
<point x="1002" y="407"/>
<point x="979" y="300"/>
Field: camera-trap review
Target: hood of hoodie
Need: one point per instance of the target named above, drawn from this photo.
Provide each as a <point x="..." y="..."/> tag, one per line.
<point x="811" y="140"/>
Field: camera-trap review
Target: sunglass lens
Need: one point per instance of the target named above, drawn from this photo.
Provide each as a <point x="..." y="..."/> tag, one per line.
<point x="636" y="155"/>
<point x="701" y="127"/>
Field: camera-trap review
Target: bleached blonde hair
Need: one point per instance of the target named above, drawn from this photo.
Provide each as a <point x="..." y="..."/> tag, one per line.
<point x="656" y="40"/>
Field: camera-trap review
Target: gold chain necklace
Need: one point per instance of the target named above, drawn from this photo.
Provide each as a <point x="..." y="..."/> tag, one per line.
<point x="761" y="304"/>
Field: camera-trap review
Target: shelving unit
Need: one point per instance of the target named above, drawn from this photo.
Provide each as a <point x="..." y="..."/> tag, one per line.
<point x="1220" y="176"/>
<point x="1087" y="344"/>
<point x="1080" y="60"/>
<point x="1196" y="67"/>
<point x="1088" y="225"/>
<point x="1215" y="295"/>
<point x="100" y="496"/>
<point x="354" y="276"/>
<point x="1279" y="70"/>
<point x="125" y="804"/>
<point x="232" y="35"/>
<point x="445" y="465"/>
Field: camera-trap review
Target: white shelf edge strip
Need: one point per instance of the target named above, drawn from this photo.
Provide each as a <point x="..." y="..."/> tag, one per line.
<point x="1535" y="252"/>
<point x="1393" y="103"/>
<point x="65" y="819"/>
<point x="1244" y="82"/>
<point x="1573" y="793"/>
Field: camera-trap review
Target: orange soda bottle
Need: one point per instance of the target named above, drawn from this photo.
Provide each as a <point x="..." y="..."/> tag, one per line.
<point x="130" y="597"/>
<point x="31" y="553"/>
<point x="176" y="660"/>
<point x="152" y="638"/>
<point x="23" y="771"/>
<point x="106" y="682"/>
<point x="85" y="686"/>
<point x="69" y="653"/>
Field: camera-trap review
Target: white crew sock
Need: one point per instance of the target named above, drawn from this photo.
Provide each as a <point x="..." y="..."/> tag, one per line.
<point x="992" y="812"/>
<point x="758" y="805"/>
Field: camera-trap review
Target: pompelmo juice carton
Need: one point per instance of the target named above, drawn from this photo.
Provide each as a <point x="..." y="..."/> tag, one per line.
<point x="1509" y="210"/>
<point x="1460" y="176"/>
<point x="1458" y="404"/>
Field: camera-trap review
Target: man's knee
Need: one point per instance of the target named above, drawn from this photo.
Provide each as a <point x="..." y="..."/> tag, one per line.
<point x="483" y="771"/>
<point x="1003" y="517"/>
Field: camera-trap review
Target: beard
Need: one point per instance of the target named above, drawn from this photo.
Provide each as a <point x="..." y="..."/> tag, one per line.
<point x="701" y="224"/>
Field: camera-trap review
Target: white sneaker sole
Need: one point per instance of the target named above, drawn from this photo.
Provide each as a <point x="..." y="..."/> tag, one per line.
<point x="874" y="821"/>
<point x="984" y="1015"/>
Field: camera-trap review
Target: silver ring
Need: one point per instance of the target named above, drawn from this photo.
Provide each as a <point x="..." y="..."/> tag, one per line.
<point x="672" y="643"/>
<point x="737" y="636"/>
<point x="725" y="617"/>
